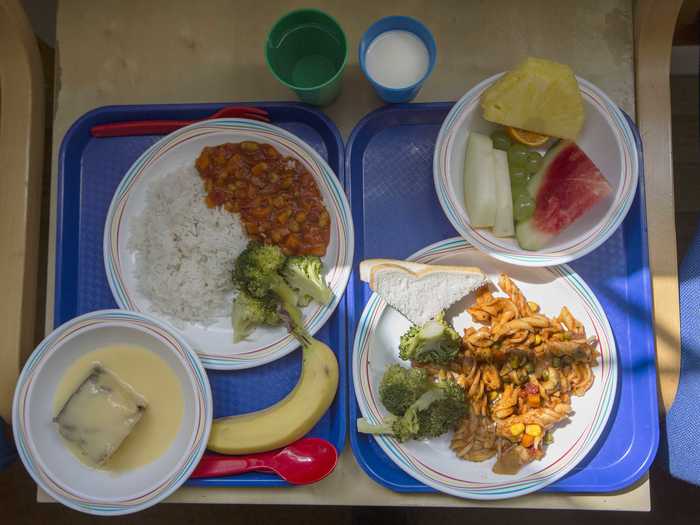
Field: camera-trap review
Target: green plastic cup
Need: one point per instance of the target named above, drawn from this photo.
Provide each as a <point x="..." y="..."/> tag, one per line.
<point x="307" y="51"/>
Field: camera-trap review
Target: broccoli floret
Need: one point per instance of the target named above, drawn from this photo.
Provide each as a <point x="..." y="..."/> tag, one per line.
<point x="385" y="427"/>
<point x="254" y="267"/>
<point x="250" y="312"/>
<point x="403" y="427"/>
<point x="305" y="273"/>
<point x="435" y="342"/>
<point x="304" y="300"/>
<point x="257" y="272"/>
<point x="408" y="339"/>
<point x="445" y="413"/>
<point x="435" y="412"/>
<point x="401" y="387"/>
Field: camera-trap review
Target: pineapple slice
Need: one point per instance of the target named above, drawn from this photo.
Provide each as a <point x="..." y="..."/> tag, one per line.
<point x="539" y="95"/>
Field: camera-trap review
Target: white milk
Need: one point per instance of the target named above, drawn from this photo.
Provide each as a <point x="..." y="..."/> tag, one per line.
<point x="397" y="59"/>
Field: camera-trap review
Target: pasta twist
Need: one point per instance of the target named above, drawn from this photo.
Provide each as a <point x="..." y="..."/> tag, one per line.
<point x="474" y="439"/>
<point x="518" y="371"/>
<point x="512" y="291"/>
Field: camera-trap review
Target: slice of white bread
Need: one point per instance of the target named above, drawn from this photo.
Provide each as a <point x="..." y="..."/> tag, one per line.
<point x="420" y="291"/>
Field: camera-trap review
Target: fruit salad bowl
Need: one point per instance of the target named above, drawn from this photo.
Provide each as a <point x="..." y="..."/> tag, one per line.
<point x="606" y="138"/>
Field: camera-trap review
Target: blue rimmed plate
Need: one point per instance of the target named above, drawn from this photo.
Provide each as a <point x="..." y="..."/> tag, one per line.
<point x="44" y="453"/>
<point x="431" y="461"/>
<point x="606" y="138"/>
<point x="214" y="342"/>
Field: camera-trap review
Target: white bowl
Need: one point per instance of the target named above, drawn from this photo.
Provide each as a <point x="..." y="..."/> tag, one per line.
<point x="42" y="450"/>
<point x="606" y="138"/>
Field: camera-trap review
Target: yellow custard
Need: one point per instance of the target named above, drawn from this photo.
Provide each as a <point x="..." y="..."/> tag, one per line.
<point x="152" y="378"/>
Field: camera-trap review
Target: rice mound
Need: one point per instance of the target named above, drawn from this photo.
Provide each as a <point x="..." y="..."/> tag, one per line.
<point x="185" y="251"/>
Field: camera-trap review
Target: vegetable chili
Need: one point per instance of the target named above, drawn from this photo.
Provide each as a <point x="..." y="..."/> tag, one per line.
<point x="277" y="198"/>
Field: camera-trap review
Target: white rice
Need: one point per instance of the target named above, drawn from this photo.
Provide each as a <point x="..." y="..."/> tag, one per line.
<point x="185" y="251"/>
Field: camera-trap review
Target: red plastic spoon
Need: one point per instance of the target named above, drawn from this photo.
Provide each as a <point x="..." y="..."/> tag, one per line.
<point x="305" y="461"/>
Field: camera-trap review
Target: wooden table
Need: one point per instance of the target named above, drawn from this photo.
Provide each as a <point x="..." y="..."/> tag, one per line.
<point x="21" y="151"/>
<point x="183" y="51"/>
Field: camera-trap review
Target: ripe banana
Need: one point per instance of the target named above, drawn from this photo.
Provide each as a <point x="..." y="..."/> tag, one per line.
<point x="289" y="419"/>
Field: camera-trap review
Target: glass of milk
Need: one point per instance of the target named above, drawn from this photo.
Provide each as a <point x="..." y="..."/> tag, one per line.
<point x="397" y="54"/>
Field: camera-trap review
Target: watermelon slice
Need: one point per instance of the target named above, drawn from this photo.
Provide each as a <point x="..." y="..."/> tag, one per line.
<point x="567" y="185"/>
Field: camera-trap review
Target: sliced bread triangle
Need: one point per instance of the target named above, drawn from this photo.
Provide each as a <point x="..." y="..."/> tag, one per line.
<point x="420" y="291"/>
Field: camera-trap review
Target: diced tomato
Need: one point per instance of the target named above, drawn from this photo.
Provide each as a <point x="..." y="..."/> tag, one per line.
<point x="532" y="388"/>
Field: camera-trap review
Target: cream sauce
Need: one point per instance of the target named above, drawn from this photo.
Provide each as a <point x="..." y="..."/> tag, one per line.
<point x="152" y="378"/>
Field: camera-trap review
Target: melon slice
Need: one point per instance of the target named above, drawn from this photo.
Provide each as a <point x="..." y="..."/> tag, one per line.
<point x="539" y="95"/>
<point x="479" y="181"/>
<point x="567" y="186"/>
<point x="503" y="225"/>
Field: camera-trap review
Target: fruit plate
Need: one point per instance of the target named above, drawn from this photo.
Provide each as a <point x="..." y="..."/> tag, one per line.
<point x="90" y="170"/>
<point x="607" y="138"/>
<point x="431" y="461"/>
<point x="389" y="167"/>
<point x="214" y="342"/>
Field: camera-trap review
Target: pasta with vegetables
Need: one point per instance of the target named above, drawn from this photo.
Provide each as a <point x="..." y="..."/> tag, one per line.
<point x="518" y="372"/>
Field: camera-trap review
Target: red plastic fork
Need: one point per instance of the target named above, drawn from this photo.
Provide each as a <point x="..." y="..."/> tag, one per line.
<point x="163" y="127"/>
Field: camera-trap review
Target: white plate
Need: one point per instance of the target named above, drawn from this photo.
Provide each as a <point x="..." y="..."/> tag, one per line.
<point x="431" y="461"/>
<point x="41" y="448"/>
<point x="606" y="138"/>
<point x="214" y="342"/>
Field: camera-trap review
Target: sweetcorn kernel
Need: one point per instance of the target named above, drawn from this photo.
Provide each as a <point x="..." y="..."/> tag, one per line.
<point x="533" y="430"/>
<point x="517" y="428"/>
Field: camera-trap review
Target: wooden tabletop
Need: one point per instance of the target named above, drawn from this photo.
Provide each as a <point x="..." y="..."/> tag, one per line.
<point x="21" y="151"/>
<point x="185" y="53"/>
<point x="654" y="24"/>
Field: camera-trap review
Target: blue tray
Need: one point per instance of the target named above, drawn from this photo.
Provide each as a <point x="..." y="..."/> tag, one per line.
<point x="389" y="161"/>
<point x="90" y="170"/>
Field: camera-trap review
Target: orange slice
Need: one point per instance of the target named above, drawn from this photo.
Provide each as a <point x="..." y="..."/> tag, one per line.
<point x="529" y="138"/>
